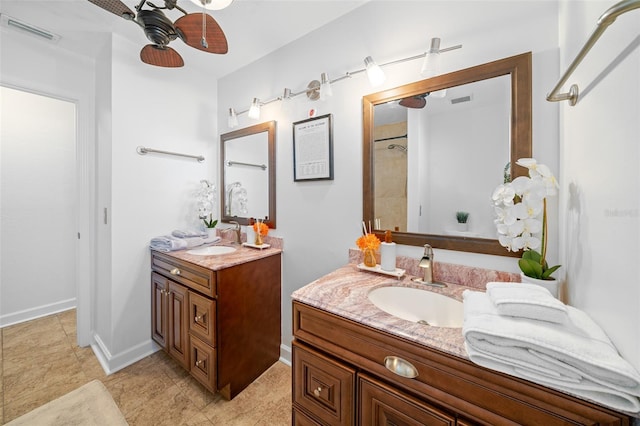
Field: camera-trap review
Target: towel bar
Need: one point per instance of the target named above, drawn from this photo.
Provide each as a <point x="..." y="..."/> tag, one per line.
<point x="142" y="150"/>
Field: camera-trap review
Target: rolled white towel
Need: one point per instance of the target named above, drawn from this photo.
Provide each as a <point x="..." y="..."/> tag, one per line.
<point x="187" y="233"/>
<point x="168" y="243"/>
<point x="526" y="301"/>
<point x="171" y="243"/>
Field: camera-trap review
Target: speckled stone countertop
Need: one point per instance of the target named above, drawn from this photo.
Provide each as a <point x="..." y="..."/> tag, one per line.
<point x="241" y="255"/>
<point x="344" y="292"/>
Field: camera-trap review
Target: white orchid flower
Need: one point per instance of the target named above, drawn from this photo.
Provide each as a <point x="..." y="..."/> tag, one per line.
<point x="503" y="194"/>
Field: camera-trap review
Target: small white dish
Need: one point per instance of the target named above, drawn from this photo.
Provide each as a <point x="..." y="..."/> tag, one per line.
<point x="255" y="246"/>
<point x="378" y="269"/>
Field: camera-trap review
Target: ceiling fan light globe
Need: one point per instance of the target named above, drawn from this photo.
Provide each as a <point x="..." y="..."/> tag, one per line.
<point x="213" y="4"/>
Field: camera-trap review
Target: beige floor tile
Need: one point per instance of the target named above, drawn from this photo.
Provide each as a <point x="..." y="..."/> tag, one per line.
<point x="40" y="361"/>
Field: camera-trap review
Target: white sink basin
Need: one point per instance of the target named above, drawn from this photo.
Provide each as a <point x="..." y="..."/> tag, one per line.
<point x="212" y="250"/>
<point x="417" y="305"/>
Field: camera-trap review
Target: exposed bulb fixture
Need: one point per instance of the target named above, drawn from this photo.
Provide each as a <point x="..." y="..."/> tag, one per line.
<point x="213" y="4"/>
<point x="431" y="65"/>
<point x="232" y="120"/>
<point x="374" y="72"/>
<point x="254" y="110"/>
<point x="325" y="87"/>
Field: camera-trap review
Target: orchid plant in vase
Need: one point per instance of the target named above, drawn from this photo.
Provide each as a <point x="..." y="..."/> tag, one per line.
<point x="205" y="197"/>
<point x="521" y="217"/>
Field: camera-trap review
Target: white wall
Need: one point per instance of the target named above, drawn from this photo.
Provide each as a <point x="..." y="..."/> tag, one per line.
<point x="38" y="222"/>
<point x="600" y="178"/>
<point x="145" y="196"/>
<point x="321" y="220"/>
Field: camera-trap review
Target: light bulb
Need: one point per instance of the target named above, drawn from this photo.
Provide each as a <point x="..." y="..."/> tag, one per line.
<point x="232" y="120"/>
<point x="254" y="111"/>
<point x="213" y="4"/>
<point x="325" y="87"/>
<point x="374" y="72"/>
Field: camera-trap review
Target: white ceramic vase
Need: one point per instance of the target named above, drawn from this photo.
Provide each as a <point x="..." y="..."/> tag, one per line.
<point x="551" y="285"/>
<point x="463" y="227"/>
<point x="211" y="233"/>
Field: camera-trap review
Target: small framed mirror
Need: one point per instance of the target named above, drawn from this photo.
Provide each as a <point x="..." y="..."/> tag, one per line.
<point x="248" y="174"/>
<point x="434" y="151"/>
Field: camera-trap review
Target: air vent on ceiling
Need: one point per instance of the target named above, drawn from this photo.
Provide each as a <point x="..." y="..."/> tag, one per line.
<point x="26" y="28"/>
<point x="461" y="99"/>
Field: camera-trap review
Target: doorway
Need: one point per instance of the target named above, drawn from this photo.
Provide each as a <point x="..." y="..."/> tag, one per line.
<point x="38" y="205"/>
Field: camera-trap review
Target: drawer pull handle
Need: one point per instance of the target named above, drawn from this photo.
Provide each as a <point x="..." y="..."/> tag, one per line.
<point x="316" y="392"/>
<point x="175" y="271"/>
<point x="400" y="367"/>
<point x="199" y="318"/>
<point x="199" y="363"/>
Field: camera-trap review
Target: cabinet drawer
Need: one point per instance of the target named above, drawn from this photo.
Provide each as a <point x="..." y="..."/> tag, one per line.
<point x="202" y="318"/>
<point x="203" y="363"/>
<point x="322" y="386"/>
<point x="190" y="275"/>
<point x="380" y="404"/>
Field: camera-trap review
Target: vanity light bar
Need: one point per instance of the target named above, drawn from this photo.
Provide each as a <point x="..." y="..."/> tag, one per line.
<point x="288" y="94"/>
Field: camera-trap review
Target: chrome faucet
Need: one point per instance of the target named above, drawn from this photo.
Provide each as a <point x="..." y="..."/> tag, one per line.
<point x="236" y="230"/>
<point x="426" y="263"/>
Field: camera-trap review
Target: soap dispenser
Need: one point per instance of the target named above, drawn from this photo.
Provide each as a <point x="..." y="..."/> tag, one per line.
<point x="388" y="253"/>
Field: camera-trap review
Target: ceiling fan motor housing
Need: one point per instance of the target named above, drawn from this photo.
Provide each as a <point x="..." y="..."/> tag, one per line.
<point x="157" y="27"/>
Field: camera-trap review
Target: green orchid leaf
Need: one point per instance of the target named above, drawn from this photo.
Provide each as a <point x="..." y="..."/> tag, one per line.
<point x="530" y="268"/>
<point x="547" y="273"/>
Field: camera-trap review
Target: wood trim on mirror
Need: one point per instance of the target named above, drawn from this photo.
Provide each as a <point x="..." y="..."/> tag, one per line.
<point x="270" y="128"/>
<point x="519" y="67"/>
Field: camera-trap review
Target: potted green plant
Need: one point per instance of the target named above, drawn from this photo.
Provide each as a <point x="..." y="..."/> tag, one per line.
<point x="462" y="218"/>
<point x="521" y="210"/>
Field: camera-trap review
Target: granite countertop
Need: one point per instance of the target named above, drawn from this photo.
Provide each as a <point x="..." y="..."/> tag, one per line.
<point x="241" y="255"/>
<point x="344" y="292"/>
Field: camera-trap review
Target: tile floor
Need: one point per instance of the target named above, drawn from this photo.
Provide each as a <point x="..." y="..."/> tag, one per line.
<point x="40" y="361"/>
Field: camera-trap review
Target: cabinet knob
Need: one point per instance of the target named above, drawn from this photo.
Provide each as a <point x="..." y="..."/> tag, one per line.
<point x="400" y="367"/>
<point x="198" y="318"/>
<point x="175" y="271"/>
<point x="199" y="363"/>
<point x="317" y="391"/>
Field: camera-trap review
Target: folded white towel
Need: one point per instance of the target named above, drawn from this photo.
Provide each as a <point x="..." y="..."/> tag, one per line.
<point x="527" y="301"/>
<point x="170" y="243"/>
<point x="187" y="233"/>
<point x="576" y="357"/>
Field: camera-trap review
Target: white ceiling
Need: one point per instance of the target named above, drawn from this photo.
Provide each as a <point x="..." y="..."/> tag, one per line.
<point x="253" y="28"/>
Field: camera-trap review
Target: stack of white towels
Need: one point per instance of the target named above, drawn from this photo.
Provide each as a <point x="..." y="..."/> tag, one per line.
<point x="181" y="239"/>
<point x="522" y="330"/>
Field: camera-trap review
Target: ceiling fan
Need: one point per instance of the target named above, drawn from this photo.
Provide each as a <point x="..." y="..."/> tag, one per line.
<point x="198" y="30"/>
<point x="418" y="101"/>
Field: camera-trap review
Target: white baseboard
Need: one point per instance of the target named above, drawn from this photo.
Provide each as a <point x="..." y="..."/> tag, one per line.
<point x="37" y="312"/>
<point x="285" y="354"/>
<point x="112" y="363"/>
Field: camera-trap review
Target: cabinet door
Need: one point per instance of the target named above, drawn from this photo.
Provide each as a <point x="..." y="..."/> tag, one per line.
<point x="203" y="363"/>
<point x="159" y="313"/>
<point x="178" y="345"/>
<point x="322" y="386"/>
<point x="382" y="405"/>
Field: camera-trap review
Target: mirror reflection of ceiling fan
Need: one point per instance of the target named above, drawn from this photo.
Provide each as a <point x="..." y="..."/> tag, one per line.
<point x="198" y="30"/>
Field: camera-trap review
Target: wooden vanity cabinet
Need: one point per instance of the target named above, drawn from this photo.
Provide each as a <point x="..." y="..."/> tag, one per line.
<point x="222" y="326"/>
<point x="447" y="390"/>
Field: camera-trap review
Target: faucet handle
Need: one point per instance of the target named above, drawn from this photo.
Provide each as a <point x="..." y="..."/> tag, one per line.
<point x="428" y="252"/>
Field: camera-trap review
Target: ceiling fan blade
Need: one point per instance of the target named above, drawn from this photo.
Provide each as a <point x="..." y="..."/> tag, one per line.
<point x="116" y="7"/>
<point x="190" y="30"/>
<point x="413" y="102"/>
<point x="161" y="56"/>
